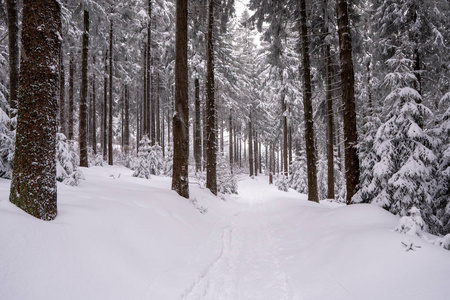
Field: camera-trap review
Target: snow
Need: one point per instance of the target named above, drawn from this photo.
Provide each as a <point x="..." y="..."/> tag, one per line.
<point x="121" y="237"/>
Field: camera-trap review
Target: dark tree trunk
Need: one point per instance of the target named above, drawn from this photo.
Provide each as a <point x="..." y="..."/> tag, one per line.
<point x="94" y="112"/>
<point x="211" y="158"/>
<point x="82" y="122"/>
<point x="71" y="104"/>
<point x="33" y="187"/>
<point x="180" y="180"/>
<point x="157" y="112"/>
<point x="197" y="129"/>
<point x="13" y="46"/>
<point x="62" y="95"/>
<point x="152" y="105"/>
<point x="256" y="152"/>
<point x="145" y="98"/>
<point x="250" y="144"/>
<point x="105" y="109"/>
<point x="110" y="136"/>
<point x="126" y="133"/>
<point x="285" y="137"/>
<point x="307" y="107"/>
<point x="230" y="136"/>
<point x="330" y="125"/>
<point x="348" y="99"/>
<point x="148" y="74"/>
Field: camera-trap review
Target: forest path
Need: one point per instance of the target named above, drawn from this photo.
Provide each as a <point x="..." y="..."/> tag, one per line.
<point x="248" y="266"/>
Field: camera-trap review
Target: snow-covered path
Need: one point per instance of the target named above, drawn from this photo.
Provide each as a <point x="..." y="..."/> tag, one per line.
<point x="248" y="266"/>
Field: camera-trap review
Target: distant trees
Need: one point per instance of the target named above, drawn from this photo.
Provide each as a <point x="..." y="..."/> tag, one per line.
<point x="33" y="186"/>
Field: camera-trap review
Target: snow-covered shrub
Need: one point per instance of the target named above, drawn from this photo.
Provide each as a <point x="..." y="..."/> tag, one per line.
<point x="322" y="178"/>
<point x="412" y="224"/>
<point x="445" y="242"/>
<point x="142" y="166"/>
<point x="298" y="180"/>
<point x="7" y="142"/>
<point x="67" y="161"/>
<point x="200" y="177"/>
<point x="226" y="181"/>
<point x="282" y="183"/>
<point x="155" y="159"/>
<point x="168" y="161"/>
<point x="95" y="159"/>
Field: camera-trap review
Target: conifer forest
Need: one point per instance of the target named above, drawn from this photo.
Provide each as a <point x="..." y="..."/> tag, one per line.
<point x="344" y="100"/>
<point x="285" y="128"/>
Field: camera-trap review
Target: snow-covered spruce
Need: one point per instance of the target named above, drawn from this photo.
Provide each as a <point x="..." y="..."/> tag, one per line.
<point x="67" y="161"/>
<point x="226" y="181"/>
<point x="298" y="178"/>
<point x="406" y="161"/>
<point x="442" y="198"/>
<point x="150" y="160"/>
<point x="412" y="224"/>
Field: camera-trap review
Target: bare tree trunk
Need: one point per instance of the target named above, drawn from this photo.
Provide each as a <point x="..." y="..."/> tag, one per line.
<point x="256" y="151"/>
<point x="157" y="112"/>
<point x="126" y="137"/>
<point x="144" y="113"/>
<point x="197" y="129"/>
<point x="71" y="104"/>
<point x="33" y="186"/>
<point x="307" y="107"/>
<point x="82" y="122"/>
<point x="250" y="144"/>
<point x="180" y="179"/>
<point x="94" y="111"/>
<point x="110" y="136"/>
<point x="348" y="99"/>
<point x="149" y="74"/>
<point x="105" y="109"/>
<point x="330" y="124"/>
<point x="62" y="95"/>
<point x="211" y="159"/>
<point x="13" y="46"/>
<point x="230" y="137"/>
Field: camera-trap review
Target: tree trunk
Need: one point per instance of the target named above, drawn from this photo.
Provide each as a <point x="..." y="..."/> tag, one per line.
<point x="348" y="99"/>
<point x="105" y="108"/>
<point x="330" y="116"/>
<point x="285" y="137"/>
<point x="110" y="136"/>
<point x="250" y="144"/>
<point x="62" y="95"/>
<point x="94" y="112"/>
<point x="157" y="112"/>
<point x="145" y="97"/>
<point x="180" y="179"/>
<point x="307" y="107"/>
<point x="148" y="75"/>
<point x="126" y="137"/>
<point x="33" y="187"/>
<point x="230" y="139"/>
<point x="71" y="104"/>
<point x="256" y="152"/>
<point x="13" y="47"/>
<point x="82" y="122"/>
<point x="197" y="129"/>
<point x="211" y="159"/>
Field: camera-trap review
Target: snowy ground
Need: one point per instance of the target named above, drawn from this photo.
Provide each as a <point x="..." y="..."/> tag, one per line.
<point x="129" y="238"/>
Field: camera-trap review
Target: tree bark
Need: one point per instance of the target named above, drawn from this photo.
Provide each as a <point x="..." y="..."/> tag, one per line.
<point x="82" y="122"/>
<point x="250" y="145"/>
<point x="14" y="50"/>
<point x="110" y="136"/>
<point x="348" y="99"/>
<point x="94" y="112"/>
<point x="126" y="133"/>
<point x="197" y="129"/>
<point x="105" y="109"/>
<point x="307" y="107"/>
<point x="211" y="159"/>
<point x="71" y="104"/>
<point x="62" y="95"/>
<point x="230" y="139"/>
<point x="33" y="187"/>
<point x="180" y="180"/>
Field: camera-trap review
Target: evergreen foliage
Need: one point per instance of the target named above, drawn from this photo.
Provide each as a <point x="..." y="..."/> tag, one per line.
<point x="67" y="161"/>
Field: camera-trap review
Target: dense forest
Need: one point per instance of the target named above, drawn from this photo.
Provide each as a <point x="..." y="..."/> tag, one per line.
<point x="337" y="99"/>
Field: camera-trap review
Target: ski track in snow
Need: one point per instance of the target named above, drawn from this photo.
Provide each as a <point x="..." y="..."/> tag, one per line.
<point x="247" y="267"/>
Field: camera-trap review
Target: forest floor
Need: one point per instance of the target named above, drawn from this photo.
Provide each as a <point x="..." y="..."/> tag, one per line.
<point x="120" y="237"/>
